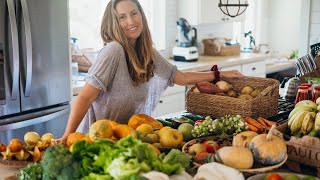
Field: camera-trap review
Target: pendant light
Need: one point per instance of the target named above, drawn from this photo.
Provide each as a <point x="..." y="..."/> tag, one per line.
<point x="233" y="8"/>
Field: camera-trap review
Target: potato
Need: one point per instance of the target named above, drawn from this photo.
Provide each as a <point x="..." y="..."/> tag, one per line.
<point x="224" y="86"/>
<point x="207" y="87"/>
<point x="255" y="93"/>
<point x="247" y="90"/>
<point x="232" y="93"/>
<point x="245" y="97"/>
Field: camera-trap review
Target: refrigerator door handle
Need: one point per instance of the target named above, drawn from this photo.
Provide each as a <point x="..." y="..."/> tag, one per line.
<point x="27" y="30"/>
<point x="15" y="50"/>
<point x="33" y="121"/>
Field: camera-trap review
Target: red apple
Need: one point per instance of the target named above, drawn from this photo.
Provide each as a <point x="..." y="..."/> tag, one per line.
<point x="195" y="149"/>
<point x="201" y="157"/>
<point x="211" y="145"/>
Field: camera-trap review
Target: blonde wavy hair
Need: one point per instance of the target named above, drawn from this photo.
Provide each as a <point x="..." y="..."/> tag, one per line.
<point x="139" y="57"/>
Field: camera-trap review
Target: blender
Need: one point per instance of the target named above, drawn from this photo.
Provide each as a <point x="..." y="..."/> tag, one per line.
<point x="185" y="49"/>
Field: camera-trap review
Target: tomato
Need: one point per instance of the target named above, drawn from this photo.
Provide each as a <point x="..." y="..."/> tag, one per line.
<point x="198" y="122"/>
<point x="273" y="176"/>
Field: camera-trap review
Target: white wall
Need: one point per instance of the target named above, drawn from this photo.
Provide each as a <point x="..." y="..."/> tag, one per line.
<point x="204" y="31"/>
<point x="283" y="25"/>
<point x="314" y="36"/>
<point x="85" y="22"/>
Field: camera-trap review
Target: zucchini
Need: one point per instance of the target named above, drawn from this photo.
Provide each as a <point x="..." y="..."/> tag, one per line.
<point x="193" y="117"/>
<point x="165" y="123"/>
<point x="184" y="119"/>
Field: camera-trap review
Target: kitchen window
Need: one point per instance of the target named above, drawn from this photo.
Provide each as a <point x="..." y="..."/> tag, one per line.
<point x="86" y="16"/>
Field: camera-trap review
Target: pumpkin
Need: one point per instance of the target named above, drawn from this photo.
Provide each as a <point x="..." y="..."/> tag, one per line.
<point x="138" y="119"/>
<point x="243" y="139"/>
<point x="236" y="157"/>
<point x="100" y="129"/>
<point x="122" y="131"/>
<point x="268" y="149"/>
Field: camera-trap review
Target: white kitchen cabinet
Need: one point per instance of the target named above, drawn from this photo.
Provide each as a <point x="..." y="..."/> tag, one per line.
<point x="230" y="68"/>
<point x="172" y="100"/>
<point x="255" y="69"/>
<point x="204" y="12"/>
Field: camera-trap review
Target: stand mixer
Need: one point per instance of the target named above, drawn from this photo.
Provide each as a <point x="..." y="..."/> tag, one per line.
<point x="186" y="49"/>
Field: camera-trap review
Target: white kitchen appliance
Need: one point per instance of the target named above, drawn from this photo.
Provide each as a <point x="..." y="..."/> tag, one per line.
<point x="186" y="49"/>
<point x="185" y="53"/>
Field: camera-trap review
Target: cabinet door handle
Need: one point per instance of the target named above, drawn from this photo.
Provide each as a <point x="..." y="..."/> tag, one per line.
<point x="160" y="101"/>
<point x="253" y="69"/>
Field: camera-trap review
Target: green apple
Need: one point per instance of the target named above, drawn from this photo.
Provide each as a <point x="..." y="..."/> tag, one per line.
<point x="291" y="177"/>
<point x="185" y="129"/>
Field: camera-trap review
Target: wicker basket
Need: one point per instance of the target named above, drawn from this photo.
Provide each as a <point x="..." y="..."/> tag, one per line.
<point x="212" y="48"/>
<point x="264" y="105"/>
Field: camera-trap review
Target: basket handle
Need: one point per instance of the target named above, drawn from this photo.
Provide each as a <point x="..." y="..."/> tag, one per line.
<point x="269" y="90"/>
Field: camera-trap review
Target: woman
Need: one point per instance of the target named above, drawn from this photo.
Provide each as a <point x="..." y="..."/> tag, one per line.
<point x="129" y="75"/>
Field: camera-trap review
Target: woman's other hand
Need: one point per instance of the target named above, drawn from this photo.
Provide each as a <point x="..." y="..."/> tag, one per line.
<point x="230" y="74"/>
<point x="62" y="140"/>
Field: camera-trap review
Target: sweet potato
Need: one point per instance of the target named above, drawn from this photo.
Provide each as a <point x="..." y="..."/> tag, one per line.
<point x="207" y="87"/>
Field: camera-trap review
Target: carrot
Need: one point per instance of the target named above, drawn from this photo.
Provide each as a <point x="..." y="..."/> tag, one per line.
<point x="269" y="123"/>
<point x="255" y="123"/>
<point x="262" y="122"/>
<point x="253" y="128"/>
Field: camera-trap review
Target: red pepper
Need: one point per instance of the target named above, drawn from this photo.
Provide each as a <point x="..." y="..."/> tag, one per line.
<point x="198" y="122"/>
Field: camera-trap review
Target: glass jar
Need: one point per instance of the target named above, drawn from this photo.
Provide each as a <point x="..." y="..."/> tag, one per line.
<point x="302" y="94"/>
<point x="309" y="89"/>
<point x="316" y="93"/>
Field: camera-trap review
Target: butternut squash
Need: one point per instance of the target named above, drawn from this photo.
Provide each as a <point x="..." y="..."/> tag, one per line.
<point x="268" y="149"/>
<point x="236" y="157"/>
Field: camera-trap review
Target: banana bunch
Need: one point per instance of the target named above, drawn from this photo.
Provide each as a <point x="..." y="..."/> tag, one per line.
<point x="304" y="118"/>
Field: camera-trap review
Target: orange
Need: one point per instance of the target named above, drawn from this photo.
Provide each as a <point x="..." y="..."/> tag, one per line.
<point x="100" y="129"/>
<point x="74" y="137"/>
<point x="122" y="131"/>
<point x="86" y="138"/>
<point x="112" y="123"/>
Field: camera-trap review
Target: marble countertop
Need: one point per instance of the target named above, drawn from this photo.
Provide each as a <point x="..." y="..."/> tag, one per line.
<point x="204" y="63"/>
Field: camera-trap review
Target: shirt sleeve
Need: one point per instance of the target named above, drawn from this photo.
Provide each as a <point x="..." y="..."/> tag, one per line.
<point x="166" y="69"/>
<point x="102" y="72"/>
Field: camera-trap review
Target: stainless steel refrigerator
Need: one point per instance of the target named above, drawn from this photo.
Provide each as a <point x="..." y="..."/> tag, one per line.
<point x="35" y="85"/>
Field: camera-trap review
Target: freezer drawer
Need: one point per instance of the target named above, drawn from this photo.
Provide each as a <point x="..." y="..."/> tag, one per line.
<point x="53" y="121"/>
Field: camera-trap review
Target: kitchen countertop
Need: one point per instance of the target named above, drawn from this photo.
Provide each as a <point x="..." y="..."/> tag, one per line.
<point x="204" y="63"/>
<point x="7" y="173"/>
